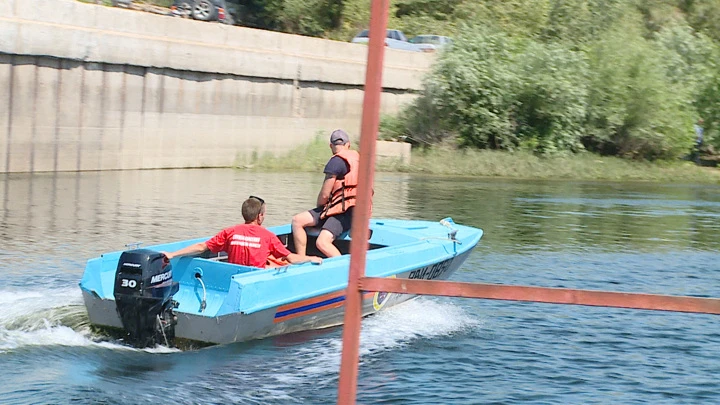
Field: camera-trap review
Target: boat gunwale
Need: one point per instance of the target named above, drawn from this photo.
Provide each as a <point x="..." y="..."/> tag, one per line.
<point x="343" y="285"/>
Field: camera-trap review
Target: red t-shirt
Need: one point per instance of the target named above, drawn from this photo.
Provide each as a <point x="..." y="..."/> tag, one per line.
<point x="247" y="244"/>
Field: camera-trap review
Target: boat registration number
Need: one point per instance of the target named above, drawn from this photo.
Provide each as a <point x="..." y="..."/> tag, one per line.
<point x="430" y="272"/>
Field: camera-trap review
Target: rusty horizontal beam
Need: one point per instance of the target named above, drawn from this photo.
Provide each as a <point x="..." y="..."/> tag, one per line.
<point x="544" y="295"/>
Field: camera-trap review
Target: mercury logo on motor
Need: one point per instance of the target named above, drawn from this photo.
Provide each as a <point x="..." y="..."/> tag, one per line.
<point x="161" y="277"/>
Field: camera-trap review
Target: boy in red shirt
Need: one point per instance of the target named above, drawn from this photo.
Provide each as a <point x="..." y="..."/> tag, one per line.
<point x="247" y="244"/>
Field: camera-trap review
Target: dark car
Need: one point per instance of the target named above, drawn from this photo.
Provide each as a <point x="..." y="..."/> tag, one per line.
<point x="203" y="10"/>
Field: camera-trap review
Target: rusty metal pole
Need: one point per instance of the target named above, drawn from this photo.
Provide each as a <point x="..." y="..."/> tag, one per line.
<point x="347" y="387"/>
<point x="571" y="296"/>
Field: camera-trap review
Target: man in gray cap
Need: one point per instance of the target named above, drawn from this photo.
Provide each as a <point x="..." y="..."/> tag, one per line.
<point x="335" y="202"/>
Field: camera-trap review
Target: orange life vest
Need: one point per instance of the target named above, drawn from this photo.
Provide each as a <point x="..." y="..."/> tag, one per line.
<point x="344" y="191"/>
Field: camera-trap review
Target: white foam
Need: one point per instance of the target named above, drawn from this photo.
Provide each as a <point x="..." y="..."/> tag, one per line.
<point x="37" y="318"/>
<point x="19" y="304"/>
<point x="421" y="318"/>
<point x="63" y="336"/>
<point x="395" y="327"/>
<point x="51" y="335"/>
<point x="156" y="349"/>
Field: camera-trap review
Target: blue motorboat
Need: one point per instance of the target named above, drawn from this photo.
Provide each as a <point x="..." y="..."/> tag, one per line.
<point x="205" y="299"/>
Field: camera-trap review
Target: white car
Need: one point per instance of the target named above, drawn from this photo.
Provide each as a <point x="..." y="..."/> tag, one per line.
<point x="393" y="39"/>
<point x="431" y="43"/>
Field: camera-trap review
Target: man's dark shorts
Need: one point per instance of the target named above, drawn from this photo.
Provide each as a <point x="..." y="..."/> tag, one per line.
<point x="336" y="224"/>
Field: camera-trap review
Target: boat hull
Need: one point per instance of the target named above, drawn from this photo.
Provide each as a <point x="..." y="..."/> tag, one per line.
<point x="318" y="312"/>
<point x="247" y="303"/>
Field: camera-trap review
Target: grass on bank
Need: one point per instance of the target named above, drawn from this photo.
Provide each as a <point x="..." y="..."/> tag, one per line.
<point x="447" y="161"/>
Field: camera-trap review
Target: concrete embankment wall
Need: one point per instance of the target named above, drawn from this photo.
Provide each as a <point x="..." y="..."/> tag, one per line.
<point x="85" y="87"/>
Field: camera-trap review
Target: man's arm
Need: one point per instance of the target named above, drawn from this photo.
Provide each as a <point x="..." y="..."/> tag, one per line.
<point x="295" y="258"/>
<point x="326" y="189"/>
<point x="277" y="249"/>
<point x="195" y="249"/>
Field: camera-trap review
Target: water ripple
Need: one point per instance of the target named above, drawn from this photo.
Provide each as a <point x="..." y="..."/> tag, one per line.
<point x="606" y="236"/>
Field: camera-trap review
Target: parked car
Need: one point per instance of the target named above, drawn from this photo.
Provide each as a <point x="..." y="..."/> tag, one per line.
<point x="431" y="43"/>
<point x="203" y="10"/>
<point x="393" y="39"/>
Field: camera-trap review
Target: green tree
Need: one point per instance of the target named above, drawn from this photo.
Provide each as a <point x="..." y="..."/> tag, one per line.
<point x="693" y="61"/>
<point x="580" y="21"/>
<point x="519" y="17"/>
<point x="707" y="100"/>
<point x="305" y="17"/>
<point x="703" y="16"/>
<point x="552" y="99"/>
<point x="634" y="109"/>
<point x="422" y="123"/>
<point x="476" y="85"/>
<point x="497" y="92"/>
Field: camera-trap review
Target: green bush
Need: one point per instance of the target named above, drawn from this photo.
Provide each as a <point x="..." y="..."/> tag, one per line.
<point x="392" y="128"/>
<point x="305" y="17"/>
<point x="708" y="103"/>
<point x="580" y="21"/>
<point x="473" y="87"/>
<point x="497" y="92"/>
<point x="693" y="61"/>
<point x="703" y="16"/>
<point x="551" y="101"/>
<point x="635" y="110"/>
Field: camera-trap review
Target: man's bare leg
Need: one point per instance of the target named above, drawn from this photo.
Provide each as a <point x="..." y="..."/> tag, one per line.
<point x="298" y="224"/>
<point x="325" y="244"/>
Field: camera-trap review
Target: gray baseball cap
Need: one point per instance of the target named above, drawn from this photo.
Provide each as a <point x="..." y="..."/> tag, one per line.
<point x="339" y="137"/>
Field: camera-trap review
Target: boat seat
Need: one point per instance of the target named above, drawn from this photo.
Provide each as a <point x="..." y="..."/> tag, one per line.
<point x="315" y="231"/>
<point x="219" y="257"/>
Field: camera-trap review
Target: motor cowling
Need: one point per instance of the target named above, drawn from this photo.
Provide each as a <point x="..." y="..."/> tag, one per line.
<point x="144" y="291"/>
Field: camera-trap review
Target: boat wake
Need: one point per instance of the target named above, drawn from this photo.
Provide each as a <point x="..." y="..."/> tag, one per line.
<point x="396" y="327"/>
<point x="310" y="360"/>
<point x="49" y="318"/>
<point x="58" y="318"/>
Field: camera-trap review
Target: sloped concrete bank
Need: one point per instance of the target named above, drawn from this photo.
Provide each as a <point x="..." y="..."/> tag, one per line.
<point x="88" y="87"/>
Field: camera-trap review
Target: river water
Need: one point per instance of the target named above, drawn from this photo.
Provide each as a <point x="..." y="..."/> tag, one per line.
<point x="637" y="237"/>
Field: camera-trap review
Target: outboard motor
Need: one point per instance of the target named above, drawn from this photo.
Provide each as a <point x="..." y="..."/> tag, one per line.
<point x="143" y="296"/>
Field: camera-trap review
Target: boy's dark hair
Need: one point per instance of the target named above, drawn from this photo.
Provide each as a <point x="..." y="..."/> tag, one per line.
<point x="251" y="209"/>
